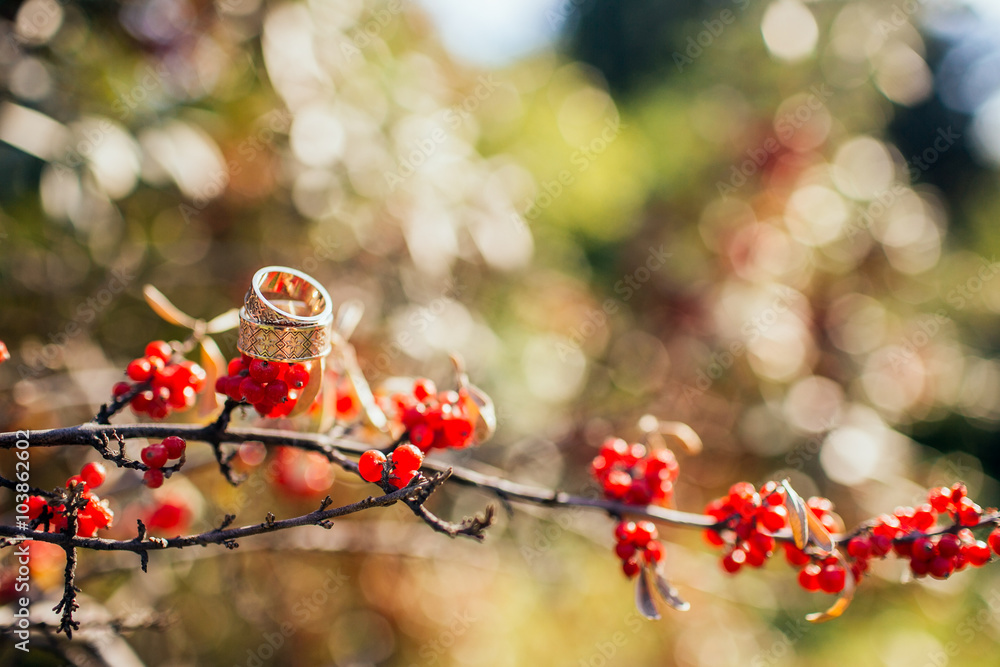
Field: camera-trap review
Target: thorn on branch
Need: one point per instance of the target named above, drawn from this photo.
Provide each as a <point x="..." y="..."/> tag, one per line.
<point x="227" y="521"/>
<point x="269" y="519"/>
<point x="326" y="502"/>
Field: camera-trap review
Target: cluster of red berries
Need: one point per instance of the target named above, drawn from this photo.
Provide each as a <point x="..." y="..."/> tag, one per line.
<point x="271" y="387"/>
<point x="171" y="386"/>
<point x="156" y="456"/>
<point x="936" y="555"/>
<point x="94" y="516"/>
<point x="636" y="542"/>
<point x="433" y="419"/>
<point x="748" y="519"/>
<point x="629" y="474"/>
<point x="401" y="465"/>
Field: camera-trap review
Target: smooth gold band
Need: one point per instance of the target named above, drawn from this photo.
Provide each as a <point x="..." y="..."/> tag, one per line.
<point x="284" y="296"/>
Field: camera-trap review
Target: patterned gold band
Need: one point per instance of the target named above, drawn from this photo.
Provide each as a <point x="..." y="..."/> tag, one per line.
<point x="281" y="342"/>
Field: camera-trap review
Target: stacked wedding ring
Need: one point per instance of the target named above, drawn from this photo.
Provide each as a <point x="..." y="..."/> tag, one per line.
<point x="286" y="316"/>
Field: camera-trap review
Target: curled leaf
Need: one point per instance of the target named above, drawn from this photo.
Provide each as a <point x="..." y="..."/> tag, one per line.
<point x="362" y="390"/>
<point x="309" y="392"/>
<point x="224" y="322"/>
<point x="348" y="316"/>
<point x="819" y="535"/>
<point x="797" y="515"/>
<point x="161" y="306"/>
<point x="479" y="404"/>
<point x="213" y="362"/>
<point x="668" y="592"/>
<point x="683" y="434"/>
<point x="843" y="602"/>
<point x="644" y="598"/>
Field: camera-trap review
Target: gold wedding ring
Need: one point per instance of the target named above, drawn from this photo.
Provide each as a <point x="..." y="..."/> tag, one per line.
<point x="286" y="316"/>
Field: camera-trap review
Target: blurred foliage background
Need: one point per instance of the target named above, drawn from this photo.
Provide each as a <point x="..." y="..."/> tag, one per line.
<point x="771" y="219"/>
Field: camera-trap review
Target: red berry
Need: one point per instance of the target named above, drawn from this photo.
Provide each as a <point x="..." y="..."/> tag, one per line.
<point x="297" y="376"/>
<point x="809" y="577"/>
<point x="120" y="389"/>
<point x="631" y="567"/>
<point x="422" y="436"/>
<point x="940" y="567"/>
<point x="74" y="481"/>
<point x="617" y="483"/>
<point x="458" y="432"/>
<point x="994" y="540"/>
<point x="263" y="371"/>
<point x="924" y="518"/>
<point x="401" y="478"/>
<point x="371" y="465"/>
<point x="251" y="390"/>
<point x="939" y="498"/>
<point x="625" y="531"/>
<point x="139" y="370"/>
<point x="832" y="578"/>
<point x="920" y="567"/>
<point x="644" y="532"/>
<point x="140" y="402"/>
<point x="773" y="518"/>
<point x="654" y="552"/>
<point x="969" y="513"/>
<point x="795" y="556"/>
<point x="158" y="408"/>
<point x="235" y="367"/>
<point x="858" y="547"/>
<point x="958" y="491"/>
<point x="276" y="391"/>
<point x="93" y="474"/>
<point x="423" y="389"/>
<point x="625" y="550"/>
<point x="153" y="478"/>
<point x="922" y="549"/>
<point x="175" y="446"/>
<point x="949" y="546"/>
<point x="734" y="560"/>
<point x="756" y="557"/>
<point x="977" y="553"/>
<point x="182" y="398"/>
<point x="713" y="538"/>
<point x="159" y="348"/>
<point x="35" y="506"/>
<point x="155" y="455"/>
<point x="407" y="458"/>
<point x="880" y="545"/>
